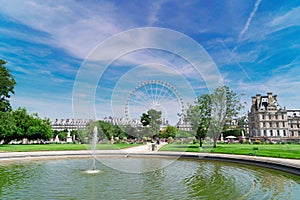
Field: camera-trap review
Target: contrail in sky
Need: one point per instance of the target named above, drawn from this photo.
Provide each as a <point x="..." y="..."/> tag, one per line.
<point x="250" y="18"/>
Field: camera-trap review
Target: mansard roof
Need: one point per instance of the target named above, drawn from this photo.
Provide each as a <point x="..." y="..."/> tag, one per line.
<point x="268" y="102"/>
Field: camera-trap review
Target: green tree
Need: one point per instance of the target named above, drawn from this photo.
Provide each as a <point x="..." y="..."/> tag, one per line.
<point x="39" y="129"/>
<point x="225" y="104"/>
<point x="31" y="126"/>
<point x="131" y="131"/>
<point x="107" y="128"/>
<point x="7" y="127"/>
<point x="152" y="119"/>
<point x="145" y="119"/>
<point x="169" y="131"/>
<point x="7" y="84"/>
<point x="23" y="122"/>
<point x="199" y="116"/>
<point x="62" y="135"/>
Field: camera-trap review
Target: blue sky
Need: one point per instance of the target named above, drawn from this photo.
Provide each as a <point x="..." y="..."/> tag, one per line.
<point x="255" y="46"/>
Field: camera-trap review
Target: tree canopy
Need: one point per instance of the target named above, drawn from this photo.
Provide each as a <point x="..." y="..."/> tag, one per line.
<point x="169" y="131"/>
<point x="18" y="124"/>
<point x="199" y="116"/>
<point x="152" y="119"/>
<point x="7" y="84"/>
<point x="210" y="112"/>
<point x="226" y="104"/>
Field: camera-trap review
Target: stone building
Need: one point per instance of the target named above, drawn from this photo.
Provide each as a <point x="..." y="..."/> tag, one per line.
<point x="69" y="124"/>
<point x="268" y="119"/>
<point x="294" y="123"/>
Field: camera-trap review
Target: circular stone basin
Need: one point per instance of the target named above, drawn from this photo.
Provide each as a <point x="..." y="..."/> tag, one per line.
<point x="183" y="179"/>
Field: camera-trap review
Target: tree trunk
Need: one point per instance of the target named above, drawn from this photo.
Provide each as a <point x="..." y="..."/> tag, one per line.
<point x="200" y="142"/>
<point x="215" y="144"/>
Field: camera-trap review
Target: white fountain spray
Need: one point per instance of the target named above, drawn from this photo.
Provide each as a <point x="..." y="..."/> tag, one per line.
<point x="93" y="151"/>
<point x="94" y="146"/>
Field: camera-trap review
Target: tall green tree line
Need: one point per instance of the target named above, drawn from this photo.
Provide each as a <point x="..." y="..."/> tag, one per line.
<point x="18" y="124"/>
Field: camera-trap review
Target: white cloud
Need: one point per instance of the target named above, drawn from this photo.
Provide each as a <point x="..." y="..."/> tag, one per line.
<point x="252" y="14"/>
<point x="155" y="8"/>
<point x="72" y="25"/>
<point x="286" y="19"/>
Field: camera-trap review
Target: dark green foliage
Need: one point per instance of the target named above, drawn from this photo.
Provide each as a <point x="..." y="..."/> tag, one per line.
<point x="169" y="131"/>
<point x="210" y="112"/>
<point x="62" y="135"/>
<point x="18" y="124"/>
<point x="199" y="116"/>
<point x="152" y="119"/>
<point x="8" y="127"/>
<point x="145" y="119"/>
<point x="106" y="130"/>
<point x="7" y="84"/>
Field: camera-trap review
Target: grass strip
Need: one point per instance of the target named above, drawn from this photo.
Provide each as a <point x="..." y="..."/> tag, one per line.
<point x="60" y="147"/>
<point x="276" y="150"/>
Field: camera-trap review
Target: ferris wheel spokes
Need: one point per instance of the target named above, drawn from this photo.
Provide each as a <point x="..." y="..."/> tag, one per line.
<point x="153" y="94"/>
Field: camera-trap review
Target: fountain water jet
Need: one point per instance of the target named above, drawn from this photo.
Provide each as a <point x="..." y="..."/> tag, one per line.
<point x="93" y="151"/>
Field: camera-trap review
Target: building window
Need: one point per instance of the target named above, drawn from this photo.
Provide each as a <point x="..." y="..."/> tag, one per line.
<point x="265" y="133"/>
<point x="284" y="133"/>
<point x="271" y="132"/>
<point x="269" y="115"/>
<point x="277" y="124"/>
<point x="283" y="124"/>
<point x="271" y="124"/>
<point x="264" y="124"/>
<point x="278" y="134"/>
<point x="282" y="116"/>
<point x="276" y="116"/>
<point x="263" y="116"/>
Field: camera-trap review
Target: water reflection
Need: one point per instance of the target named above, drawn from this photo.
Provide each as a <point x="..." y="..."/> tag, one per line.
<point x="183" y="179"/>
<point x="223" y="181"/>
<point x="211" y="181"/>
<point x="16" y="176"/>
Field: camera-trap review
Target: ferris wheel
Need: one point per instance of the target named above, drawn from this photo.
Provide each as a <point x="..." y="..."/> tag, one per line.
<point x="154" y="94"/>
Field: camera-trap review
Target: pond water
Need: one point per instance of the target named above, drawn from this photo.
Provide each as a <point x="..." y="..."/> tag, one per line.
<point x="183" y="179"/>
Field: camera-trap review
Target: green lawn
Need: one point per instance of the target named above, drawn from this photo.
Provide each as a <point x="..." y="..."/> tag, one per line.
<point x="60" y="147"/>
<point x="275" y="150"/>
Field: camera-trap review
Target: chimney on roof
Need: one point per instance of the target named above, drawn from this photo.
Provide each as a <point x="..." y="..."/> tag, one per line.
<point x="269" y="97"/>
<point x="257" y="100"/>
<point x="253" y="100"/>
<point x="275" y="98"/>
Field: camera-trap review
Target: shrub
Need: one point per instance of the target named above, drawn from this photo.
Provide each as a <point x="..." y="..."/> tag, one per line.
<point x="256" y="142"/>
<point x="195" y="141"/>
<point x="246" y="142"/>
<point x="170" y="140"/>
